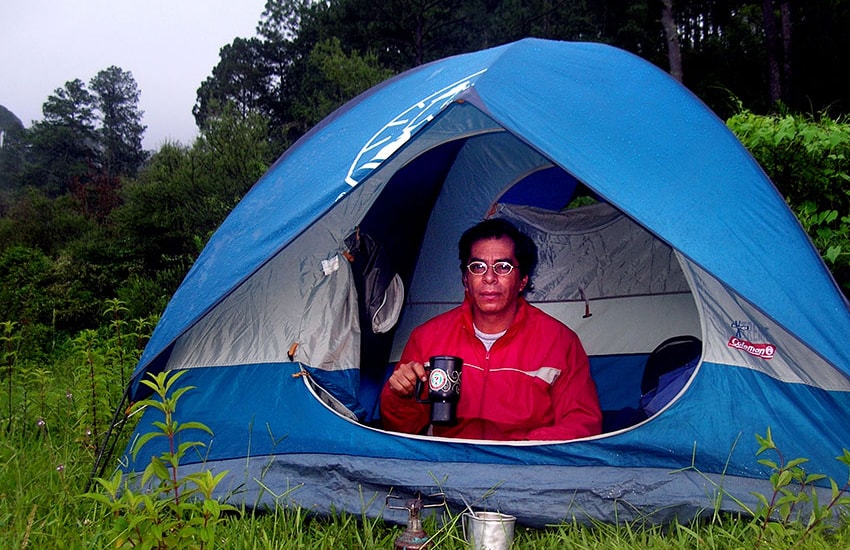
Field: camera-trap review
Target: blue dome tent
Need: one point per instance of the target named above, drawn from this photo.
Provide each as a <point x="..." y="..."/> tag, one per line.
<point x="287" y="323"/>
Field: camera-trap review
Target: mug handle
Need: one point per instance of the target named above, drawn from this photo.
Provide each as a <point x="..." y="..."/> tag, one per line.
<point x="417" y="391"/>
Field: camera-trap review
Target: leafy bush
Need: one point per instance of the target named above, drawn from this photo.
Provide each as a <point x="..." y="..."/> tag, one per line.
<point x="51" y="299"/>
<point x="27" y="299"/>
<point x="37" y="221"/>
<point x="807" y="158"/>
<point x="793" y="512"/>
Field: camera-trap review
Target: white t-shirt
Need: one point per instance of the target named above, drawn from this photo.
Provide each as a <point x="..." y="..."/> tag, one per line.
<point x="488" y="339"/>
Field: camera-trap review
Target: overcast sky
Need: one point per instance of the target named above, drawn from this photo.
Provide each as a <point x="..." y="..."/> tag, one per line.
<point x="170" y="46"/>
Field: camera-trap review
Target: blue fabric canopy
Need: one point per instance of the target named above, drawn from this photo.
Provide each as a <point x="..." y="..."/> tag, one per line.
<point x="636" y="137"/>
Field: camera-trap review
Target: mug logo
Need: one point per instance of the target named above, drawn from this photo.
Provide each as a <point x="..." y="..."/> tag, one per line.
<point x="398" y="131"/>
<point x="438" y="380"/>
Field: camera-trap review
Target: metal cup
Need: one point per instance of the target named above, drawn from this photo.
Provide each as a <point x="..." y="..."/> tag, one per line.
<point x="443" y="388"/>
<point x="488" y="530"/>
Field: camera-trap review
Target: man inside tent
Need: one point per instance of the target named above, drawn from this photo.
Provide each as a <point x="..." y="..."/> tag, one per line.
<point x="525" y="374"/>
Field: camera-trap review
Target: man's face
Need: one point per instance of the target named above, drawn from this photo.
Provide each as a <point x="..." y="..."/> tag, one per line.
<point x="493" y="294"/>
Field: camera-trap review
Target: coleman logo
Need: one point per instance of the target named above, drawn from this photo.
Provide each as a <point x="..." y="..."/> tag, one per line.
<point x="739" y="341"/>
<point x="765" y="351"/>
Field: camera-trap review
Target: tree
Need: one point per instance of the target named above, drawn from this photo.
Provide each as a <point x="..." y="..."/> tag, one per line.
<point x="404" y="33"/>
<point x="62" y="147"/>
<point x="671" y="34"/>
<point x="11" y="151"/>
<point x="72" y="106"/>
<point x="777" y="38"/>
<point x="722" y="49"/>
<point x="820" y="56"/>
<point x="183" y="194"/>
<point x="87" y="137"/>
<point x="237" y="152"/>
<point x="121" y="129"/>
<point x="238" y="79"/>
<point x="332" y="78"/>
<point x="281" y="19"/>
<point x="286" y="74"/>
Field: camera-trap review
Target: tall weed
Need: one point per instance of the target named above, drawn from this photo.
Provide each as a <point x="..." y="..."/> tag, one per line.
<point x="164" y="509"/>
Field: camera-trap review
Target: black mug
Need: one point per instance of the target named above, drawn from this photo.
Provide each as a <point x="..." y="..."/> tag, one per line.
<point x="443" y="388"/>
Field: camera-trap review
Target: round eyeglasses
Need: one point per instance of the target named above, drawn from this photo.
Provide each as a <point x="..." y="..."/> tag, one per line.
<point x="499" y="268"/>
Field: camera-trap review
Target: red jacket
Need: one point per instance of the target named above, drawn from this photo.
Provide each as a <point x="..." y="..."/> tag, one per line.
<point x="534" y="384"/>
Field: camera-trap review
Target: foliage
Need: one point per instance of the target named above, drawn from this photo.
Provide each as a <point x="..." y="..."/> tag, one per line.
<point x="807" y="158"/>
<point x="235" y="149"/>
<point x="830" y="233"/>
<point x="184" y="193"/>
<point x="63" y="257"/>
<point x="121" y="128"/>
<point x="792" y="515"/>
<point x="25" y="273"/>
<point x="91" y="369"/>
<point x="52" y="298"/>
<point x="35" y="220"/>
<point x="722" y="46"/>
<point x="88" y="135"/>
<point x="332" y="78"/>
<point x="793" y="511"/>
<point x="10" y="341"/>
<point x="296" y="72"/>
<point x="241" y="78"/>
<point x="169" y="510"/>
<point x="90" y="226"/>
<point x="47" y="434"/>
<point x="62" y="146"/>
<point x="111" y="227"/>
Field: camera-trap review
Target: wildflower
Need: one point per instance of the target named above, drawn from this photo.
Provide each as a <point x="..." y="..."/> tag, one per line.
<point x="60" y="468"/>
<point x="41" y="423"/>
<point x="88" y="432"/>
<point x="69" y="396"/>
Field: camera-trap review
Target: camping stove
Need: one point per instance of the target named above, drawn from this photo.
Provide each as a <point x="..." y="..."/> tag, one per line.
<point x="414" y="536"/>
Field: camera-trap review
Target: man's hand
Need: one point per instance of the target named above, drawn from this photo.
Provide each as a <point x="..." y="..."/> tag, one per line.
<point x="404" y="377"/>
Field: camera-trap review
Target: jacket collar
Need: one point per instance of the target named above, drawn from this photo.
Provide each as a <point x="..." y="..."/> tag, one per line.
<point x="522" y="312"/>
